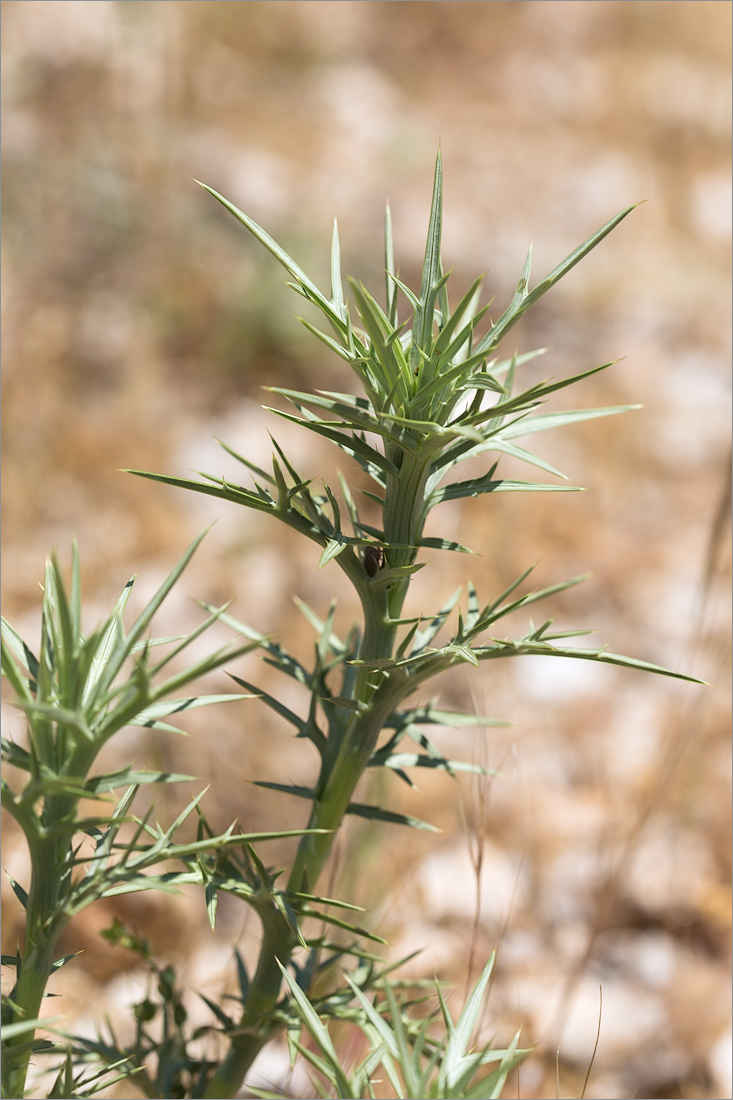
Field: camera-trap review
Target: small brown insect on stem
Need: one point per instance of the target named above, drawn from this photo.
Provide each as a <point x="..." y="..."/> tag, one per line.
<point x="373" y="559"/>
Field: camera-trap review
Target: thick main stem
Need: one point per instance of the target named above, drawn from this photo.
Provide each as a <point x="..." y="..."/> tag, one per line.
<point x="28" y="996"/>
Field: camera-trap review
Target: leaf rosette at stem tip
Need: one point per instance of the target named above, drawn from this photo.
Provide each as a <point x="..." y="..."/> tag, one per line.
<point x="434" y="395"/>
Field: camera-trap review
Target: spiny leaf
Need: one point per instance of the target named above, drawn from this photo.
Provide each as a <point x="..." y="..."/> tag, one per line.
<point x="310" y="289"/>
<point x="358" y="809"/>
<point x="543" y="421"/>
<point x="520" y="306"/>
<point x="478" y="485"/>
<point x="423" y="324"/>
<point x="603" y="656"/>
<point x="20" y="893"/>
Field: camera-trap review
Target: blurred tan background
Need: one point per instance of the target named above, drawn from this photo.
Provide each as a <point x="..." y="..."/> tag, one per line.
<point x="140" y="321"/>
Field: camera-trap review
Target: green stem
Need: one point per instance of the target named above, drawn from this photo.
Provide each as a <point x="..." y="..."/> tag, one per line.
<point x="28" y="996"/>
<point x="45" y="920"/>
<point x="404" y="508"/>
<point x="257" y="1026"/>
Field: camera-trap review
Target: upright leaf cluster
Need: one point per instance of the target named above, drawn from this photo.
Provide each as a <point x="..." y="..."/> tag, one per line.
<point x="434" y="395"/>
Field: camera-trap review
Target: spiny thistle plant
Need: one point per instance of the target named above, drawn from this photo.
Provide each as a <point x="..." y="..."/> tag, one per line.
<point x="434" y="395"/>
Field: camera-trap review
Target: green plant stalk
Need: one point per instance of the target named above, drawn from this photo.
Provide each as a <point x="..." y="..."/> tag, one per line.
<point x="30" y="990"/>
<point x="49" y="845"/>
<point x="29" y="993"/>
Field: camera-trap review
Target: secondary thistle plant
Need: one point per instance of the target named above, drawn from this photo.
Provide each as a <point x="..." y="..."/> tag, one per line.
<point x="433" y="393"/>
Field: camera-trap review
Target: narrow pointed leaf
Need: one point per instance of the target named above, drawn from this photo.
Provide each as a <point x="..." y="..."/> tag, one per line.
<point x="19" y="892"/>
<point x="517" y="309"/>
<point x="337" y="290"/>
<point x="376" y="813"/>
<point x="311" y="290"/>
<point x="391" y="297"/>
<point x="543" y="421"/>
<point x="476" y="486"/>
<point x="423" y="324"/>
<point x="603" y="656"/>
